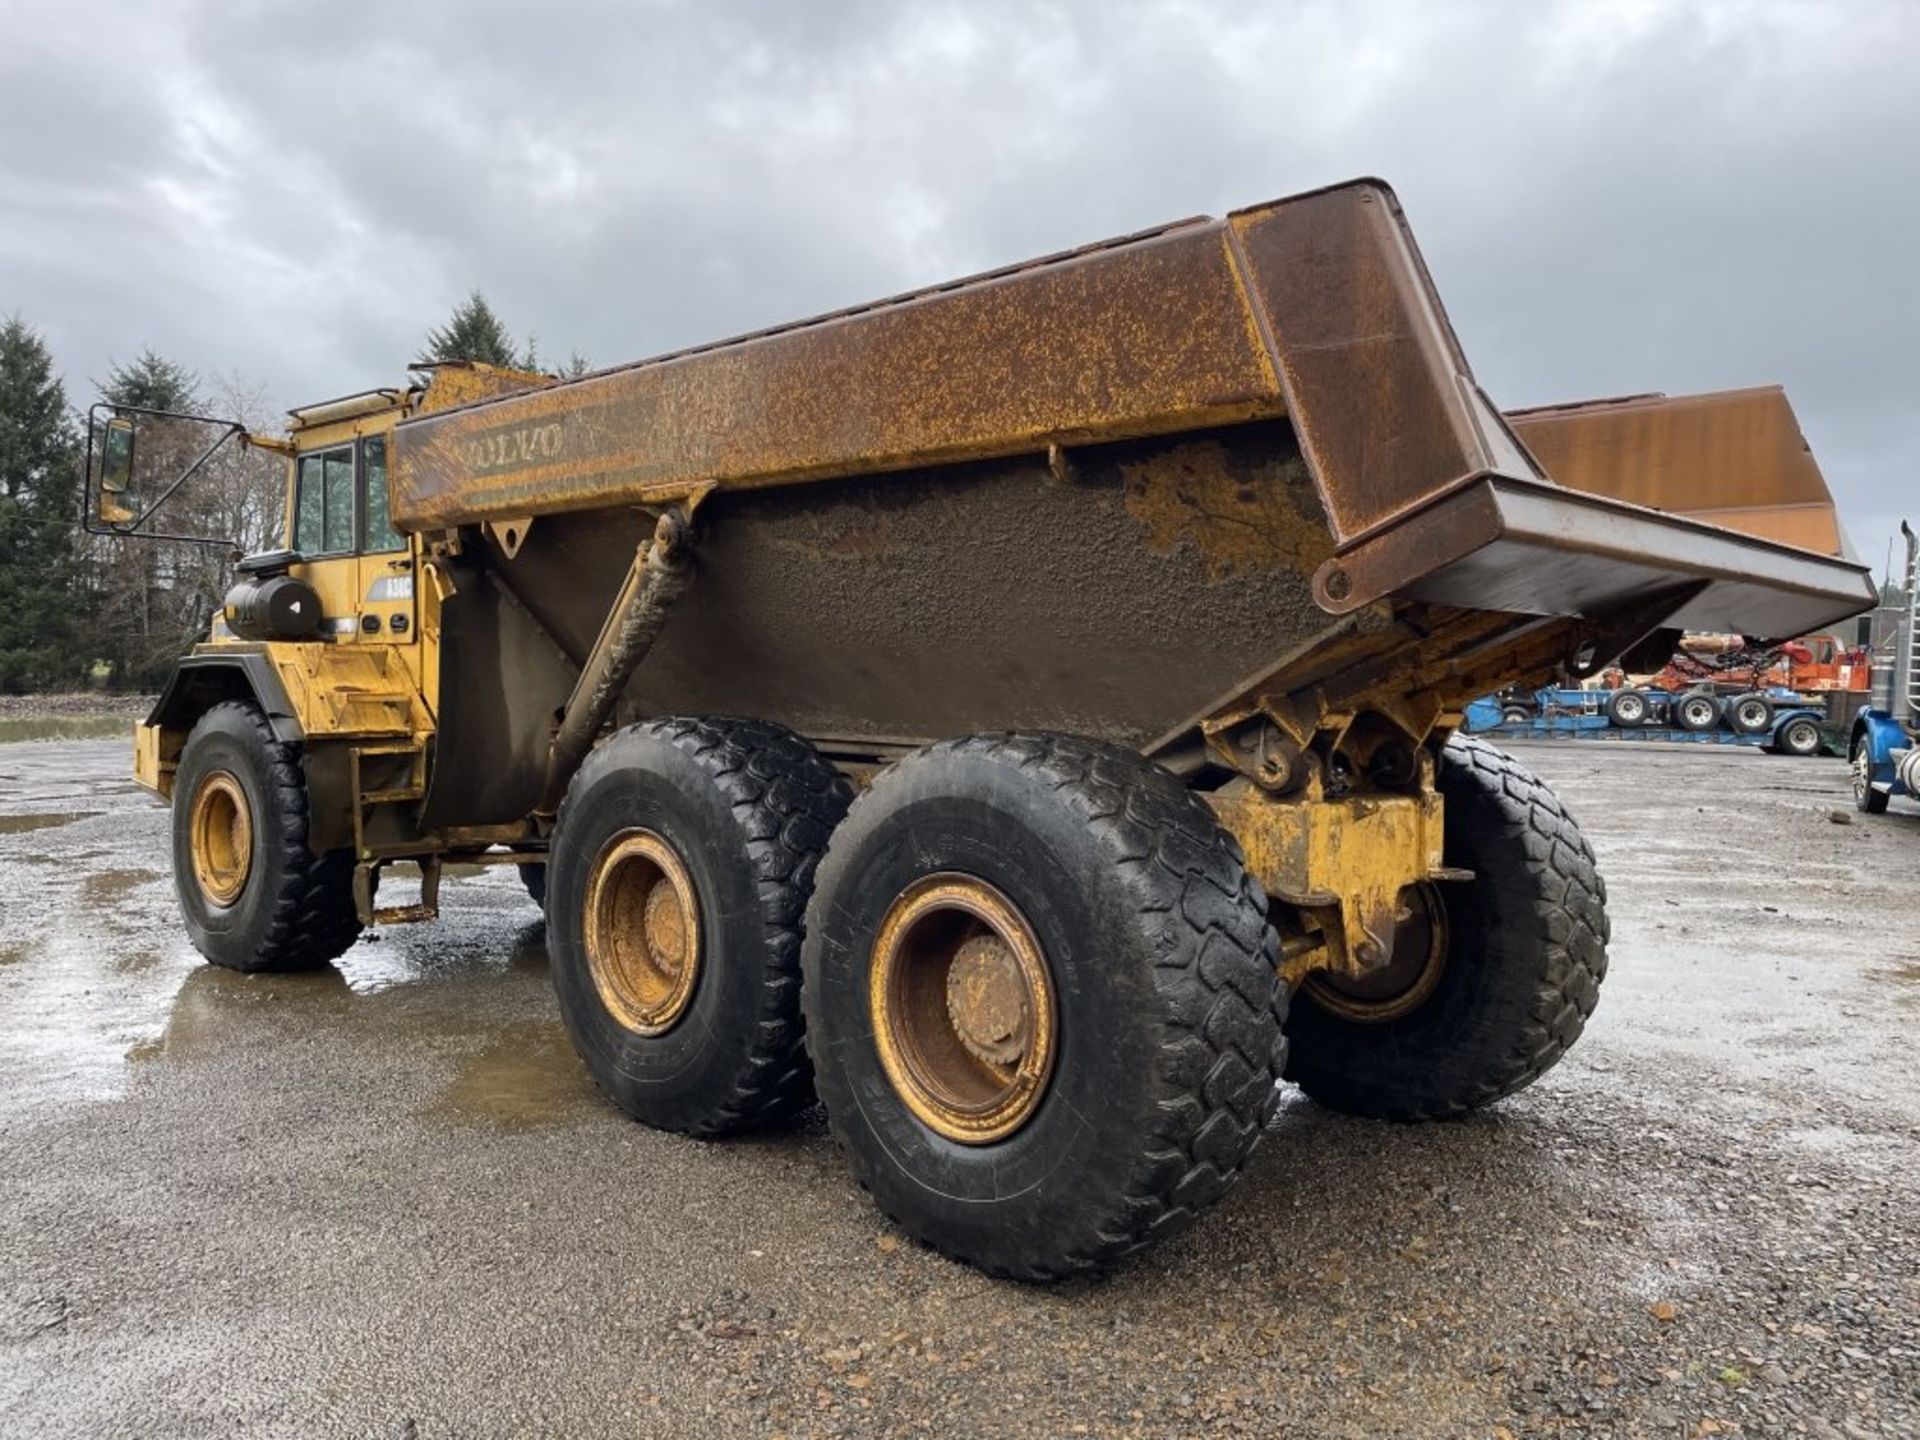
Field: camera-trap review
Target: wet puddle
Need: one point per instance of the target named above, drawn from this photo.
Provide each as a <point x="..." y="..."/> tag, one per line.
<point x="526" y="1076"/>
<point x="211" y="1004"/>
<point x="105" y="889"/>
<point x="1904" y="971"/>
<point x="67" y="727"/>
<point x="26" y="824"/>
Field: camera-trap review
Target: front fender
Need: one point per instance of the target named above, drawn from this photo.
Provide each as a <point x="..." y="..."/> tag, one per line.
<point x="199" y="682"/>
<point x="204" y="679"/>
<point x="1882" y="735"/>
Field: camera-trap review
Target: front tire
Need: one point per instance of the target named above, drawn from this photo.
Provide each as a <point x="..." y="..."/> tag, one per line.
<point x="1042" y="1000"/>
<point x="254" y="897"/>
<point x="682" y="860"/>
<point x="1866" y="799"/>
<point x="1525" y="955"/>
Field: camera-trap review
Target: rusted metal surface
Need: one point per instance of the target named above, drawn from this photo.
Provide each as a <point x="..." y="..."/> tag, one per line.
<point x="1226" y="492"/>
<point x="1316" y="306"/>
<point x="905" y="609"/>
<point x="1345" y="860"/>
<point x="642" y="932"/>
<point x="1533" y="547"/>
<point x="1137" y="339"/>
<point x="454" y="383"/>
<point x="1734" y="458"/>
<point x="963" y="1009"/>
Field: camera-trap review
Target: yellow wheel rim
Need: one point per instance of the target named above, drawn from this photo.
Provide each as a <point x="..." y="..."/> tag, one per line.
<point x="643" y="932"/>
<point x="1408" y="979"/>
<point x="963" y="1009"/>
<point x="220" y="829"/>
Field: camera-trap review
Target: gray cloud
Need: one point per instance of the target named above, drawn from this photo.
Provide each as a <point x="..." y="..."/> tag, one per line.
<point x="1613" y="198"/>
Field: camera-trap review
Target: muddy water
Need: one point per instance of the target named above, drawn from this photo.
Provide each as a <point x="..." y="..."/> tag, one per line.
<point x="23" y="824"/>
<point x="72" y="727"/>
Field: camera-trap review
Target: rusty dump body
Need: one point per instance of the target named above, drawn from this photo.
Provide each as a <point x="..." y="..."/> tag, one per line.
<point x="1225" y="492"/>
<point x="1734" y="458"/>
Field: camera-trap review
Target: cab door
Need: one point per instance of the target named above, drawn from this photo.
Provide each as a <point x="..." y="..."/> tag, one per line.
<point x="359" y="565"/>
<point x="325" y="531"/>
<point x="386" y="565"/>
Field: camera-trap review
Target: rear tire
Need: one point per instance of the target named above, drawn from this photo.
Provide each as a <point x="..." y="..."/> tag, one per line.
<point x="1800" y="736"/>
<point x="254" y="897"/>
<point x="534" y="877"/>
<point x="1522" y="970"/>
<point x="731" y="816"/>
<point x="1750" y="714"/>
<point x="1162" y="1035"/>
<point x="1628" y="708"/>
<point x="1696" y="711"/>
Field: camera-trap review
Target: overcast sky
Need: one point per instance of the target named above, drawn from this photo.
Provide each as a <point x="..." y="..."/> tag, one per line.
<point x="1613" y="197"/>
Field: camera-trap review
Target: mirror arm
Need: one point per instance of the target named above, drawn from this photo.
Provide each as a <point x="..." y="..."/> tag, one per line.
<point x="234" y="428"/>
<point x="133" y="531"/>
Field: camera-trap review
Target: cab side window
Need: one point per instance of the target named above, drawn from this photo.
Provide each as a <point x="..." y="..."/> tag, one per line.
<point x="323" y="517"/>
<point x="339" y="487"/>
<point x="380" y="534"/>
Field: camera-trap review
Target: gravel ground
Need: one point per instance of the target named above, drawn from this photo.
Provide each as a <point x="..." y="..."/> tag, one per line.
<point x="386" y="1201"/>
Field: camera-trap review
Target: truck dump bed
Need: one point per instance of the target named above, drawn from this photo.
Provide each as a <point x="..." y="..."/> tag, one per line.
<point x="1112" y="492"/>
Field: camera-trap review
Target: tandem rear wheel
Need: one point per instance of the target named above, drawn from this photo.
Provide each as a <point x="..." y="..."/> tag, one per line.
<point x="1492" y="978"/>
<point x="682" y="859"/>
<point x="1042" y="1001"/>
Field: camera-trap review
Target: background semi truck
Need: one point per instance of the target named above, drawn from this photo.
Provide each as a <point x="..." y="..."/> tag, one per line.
<point x="985" y="710"/>
<point x="1885" y="747"/>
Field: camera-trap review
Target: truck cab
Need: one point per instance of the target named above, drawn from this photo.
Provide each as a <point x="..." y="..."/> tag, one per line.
<point x="340" y="533"/>
<point x="333" y="637"/>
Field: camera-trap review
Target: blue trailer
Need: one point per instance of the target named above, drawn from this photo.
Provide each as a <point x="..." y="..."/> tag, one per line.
<point x="1885" y="748"/>
<point x="1777" y="720"/>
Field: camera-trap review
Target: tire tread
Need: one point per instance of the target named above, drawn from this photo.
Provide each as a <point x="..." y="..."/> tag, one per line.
<point x="787" y="801"/>
<point x="313" y="921"/>
<point x="1565" y="896"/>
<point x="1222" y="1007"/>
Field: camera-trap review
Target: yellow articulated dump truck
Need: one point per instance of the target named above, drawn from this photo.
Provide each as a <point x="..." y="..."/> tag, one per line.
<point x="983" y="710"/>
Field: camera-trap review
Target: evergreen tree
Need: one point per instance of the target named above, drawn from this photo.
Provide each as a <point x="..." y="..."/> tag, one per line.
<point x="474" y="332"/>
<point x="153" y="383"/>
<point x="39" y="500"/>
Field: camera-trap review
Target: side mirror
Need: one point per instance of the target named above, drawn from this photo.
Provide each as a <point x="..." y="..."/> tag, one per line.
<point x="116" y="509"/>
<point x="116" y="472"/>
